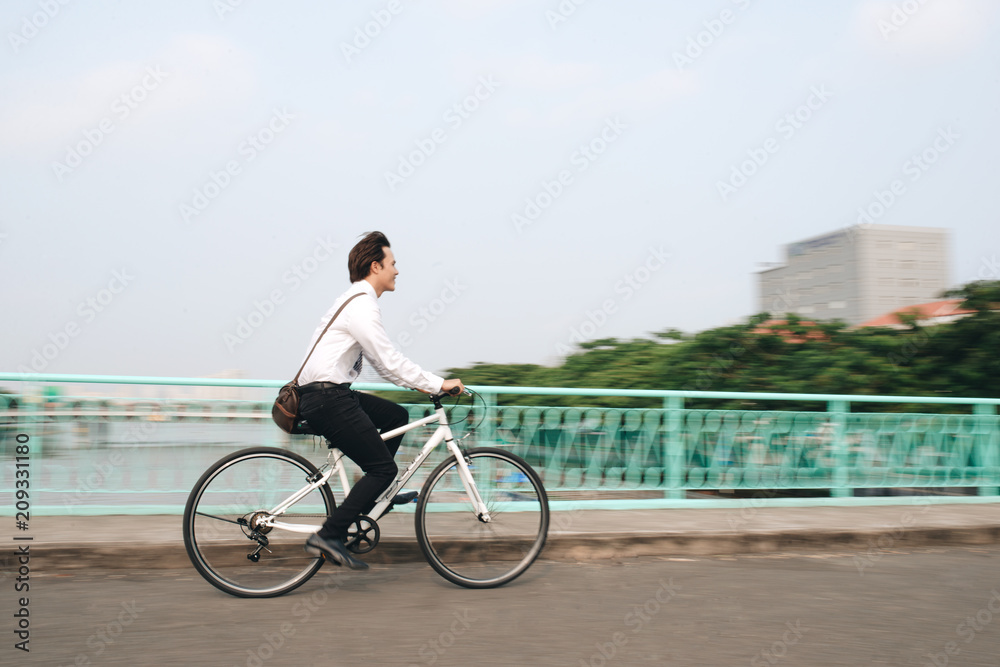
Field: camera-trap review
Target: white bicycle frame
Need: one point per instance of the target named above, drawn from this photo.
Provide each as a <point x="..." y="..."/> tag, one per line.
<point x="441" y="433"/>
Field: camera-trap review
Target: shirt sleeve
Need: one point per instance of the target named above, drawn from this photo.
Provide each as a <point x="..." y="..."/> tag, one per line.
<point x="365" y="325"/>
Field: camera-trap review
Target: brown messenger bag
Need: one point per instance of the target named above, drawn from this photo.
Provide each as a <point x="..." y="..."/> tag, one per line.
<point x="285" y="411"/>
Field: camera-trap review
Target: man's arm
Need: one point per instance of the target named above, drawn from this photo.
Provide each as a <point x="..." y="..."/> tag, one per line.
<point x="365" y="325"/>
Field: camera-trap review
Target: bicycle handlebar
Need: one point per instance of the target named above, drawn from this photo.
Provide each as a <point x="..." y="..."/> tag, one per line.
<point x="454" y="391"/>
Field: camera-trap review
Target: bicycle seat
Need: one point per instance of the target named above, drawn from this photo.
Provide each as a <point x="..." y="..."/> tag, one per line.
<point x="302" y="427"/>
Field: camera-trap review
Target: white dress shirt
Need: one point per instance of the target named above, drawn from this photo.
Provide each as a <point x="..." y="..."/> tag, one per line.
<point x="358" y="330"/>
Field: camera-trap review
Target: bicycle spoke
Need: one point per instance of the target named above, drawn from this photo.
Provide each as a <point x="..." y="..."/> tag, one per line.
<point x="225" y="550"/>
<point x="463" y="548"/>
<point x="218" y="518"/>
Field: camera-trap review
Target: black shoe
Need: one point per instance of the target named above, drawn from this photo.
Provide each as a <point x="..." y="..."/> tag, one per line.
<point x="400" y="499"/>
<point x="403" y="498"/>
<point x="334" y="550"/>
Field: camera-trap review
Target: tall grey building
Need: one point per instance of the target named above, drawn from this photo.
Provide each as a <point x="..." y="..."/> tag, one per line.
<point x="858" y="273"/>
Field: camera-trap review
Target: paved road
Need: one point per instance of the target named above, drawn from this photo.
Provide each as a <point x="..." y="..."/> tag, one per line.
<point x="779" y="609"/>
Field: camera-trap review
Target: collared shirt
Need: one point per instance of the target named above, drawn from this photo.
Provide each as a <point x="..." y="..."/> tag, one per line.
<point x="358" y="331"/>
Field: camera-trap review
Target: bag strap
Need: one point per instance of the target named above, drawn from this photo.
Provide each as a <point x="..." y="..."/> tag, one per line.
<point x="295" y="380"/>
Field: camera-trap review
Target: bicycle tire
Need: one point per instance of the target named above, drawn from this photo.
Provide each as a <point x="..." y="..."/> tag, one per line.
<point x="236" y="487"/>
<point x="473" y="553"/>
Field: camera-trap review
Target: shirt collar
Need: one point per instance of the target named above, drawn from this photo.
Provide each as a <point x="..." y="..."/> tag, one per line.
<point x="365" y="287"/>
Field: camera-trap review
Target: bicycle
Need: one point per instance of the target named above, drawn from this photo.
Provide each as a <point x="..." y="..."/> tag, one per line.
<point x="481" y="518"/>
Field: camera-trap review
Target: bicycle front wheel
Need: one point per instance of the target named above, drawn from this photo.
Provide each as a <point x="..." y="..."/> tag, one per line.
<point x="222" y="531"/>
<point x="463" y="547"/>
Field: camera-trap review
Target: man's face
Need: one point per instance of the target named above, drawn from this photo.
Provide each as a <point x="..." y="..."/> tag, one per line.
<point x="385" y="276"/>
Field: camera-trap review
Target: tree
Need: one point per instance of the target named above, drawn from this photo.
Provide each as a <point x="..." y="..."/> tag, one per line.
<point x="959" y="358"/>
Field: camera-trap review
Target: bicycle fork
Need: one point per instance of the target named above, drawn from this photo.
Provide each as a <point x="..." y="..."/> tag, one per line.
<point x="462" y="462"/>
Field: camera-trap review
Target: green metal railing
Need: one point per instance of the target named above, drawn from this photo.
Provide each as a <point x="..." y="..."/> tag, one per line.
<point x="117" y="451"/>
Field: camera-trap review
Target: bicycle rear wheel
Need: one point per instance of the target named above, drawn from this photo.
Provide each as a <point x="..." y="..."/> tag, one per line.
<point x="483" y="554"/>
<point x="222" y="515"/>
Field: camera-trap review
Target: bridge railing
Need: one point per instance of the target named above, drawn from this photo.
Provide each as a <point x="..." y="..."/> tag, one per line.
<point x="113" y="445"/>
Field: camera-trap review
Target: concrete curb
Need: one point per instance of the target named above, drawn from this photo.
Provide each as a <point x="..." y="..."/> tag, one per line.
<point x="52" y="558"/>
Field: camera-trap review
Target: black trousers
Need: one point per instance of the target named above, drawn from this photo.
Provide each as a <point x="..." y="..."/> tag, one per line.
<point x="352" y="421"/>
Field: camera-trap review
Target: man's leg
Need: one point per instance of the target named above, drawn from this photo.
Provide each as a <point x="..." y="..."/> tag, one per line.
<point x="386" y="416"/>
<point x="342" y="416"/>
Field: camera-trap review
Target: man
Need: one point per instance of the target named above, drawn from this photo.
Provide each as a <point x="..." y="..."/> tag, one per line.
<point x="349" y="419"/>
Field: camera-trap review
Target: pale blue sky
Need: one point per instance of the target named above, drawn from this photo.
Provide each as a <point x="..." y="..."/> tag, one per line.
<point x="646" y="212"/>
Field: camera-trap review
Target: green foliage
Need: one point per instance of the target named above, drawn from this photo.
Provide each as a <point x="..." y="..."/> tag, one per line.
<point x="959" y="358"/>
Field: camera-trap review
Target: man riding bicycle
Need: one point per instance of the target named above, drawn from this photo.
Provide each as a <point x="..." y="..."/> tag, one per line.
<point x="349" y="419"/>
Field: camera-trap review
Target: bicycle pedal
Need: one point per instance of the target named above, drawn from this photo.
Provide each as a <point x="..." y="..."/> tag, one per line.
<point x="404" y="498"/>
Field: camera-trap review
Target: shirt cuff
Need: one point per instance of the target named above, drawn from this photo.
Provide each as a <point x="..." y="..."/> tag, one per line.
<point x="436" y="383"/>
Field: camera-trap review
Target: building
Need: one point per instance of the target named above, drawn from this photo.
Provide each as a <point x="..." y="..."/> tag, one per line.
<point x="858" y="273"/>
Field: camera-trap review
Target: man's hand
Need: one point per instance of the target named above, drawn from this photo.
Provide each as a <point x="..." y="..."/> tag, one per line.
<point x="449" y="385"/>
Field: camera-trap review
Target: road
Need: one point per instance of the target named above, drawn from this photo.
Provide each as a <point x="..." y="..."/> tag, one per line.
<point x="912" y="607"/>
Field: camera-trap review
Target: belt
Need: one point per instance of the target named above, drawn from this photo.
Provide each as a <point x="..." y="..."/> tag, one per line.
<point x="323" y="386"/>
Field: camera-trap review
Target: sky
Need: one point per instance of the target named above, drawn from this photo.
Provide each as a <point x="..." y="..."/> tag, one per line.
<point x="180" y="183"/>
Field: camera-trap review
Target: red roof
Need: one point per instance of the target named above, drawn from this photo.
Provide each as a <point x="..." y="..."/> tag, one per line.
<point x="923" y="311"/>
<point x="780" y="328"/>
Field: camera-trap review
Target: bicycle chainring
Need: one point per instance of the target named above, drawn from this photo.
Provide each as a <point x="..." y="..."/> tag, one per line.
<point x="362" y="535"/>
